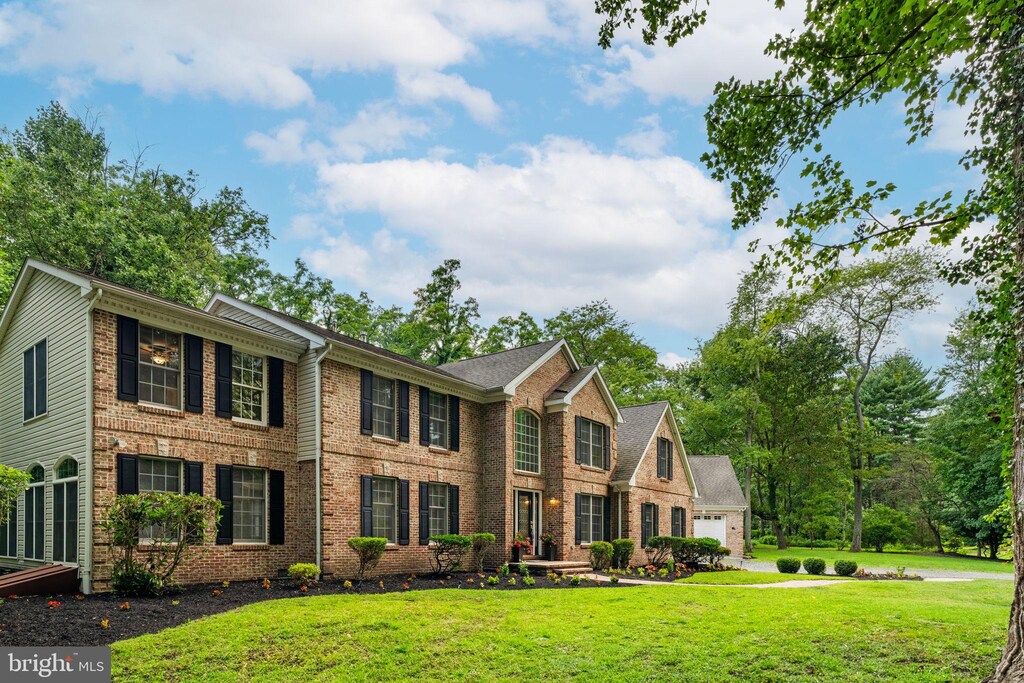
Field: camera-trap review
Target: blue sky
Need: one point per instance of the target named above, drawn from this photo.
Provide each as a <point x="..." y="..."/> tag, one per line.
<point x="381" y="138"/>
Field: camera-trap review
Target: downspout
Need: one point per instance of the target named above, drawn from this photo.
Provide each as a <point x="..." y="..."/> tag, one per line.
<point x="620" y="515"/>
<point x="318" y="377"/>
<point x="95" y="296"/>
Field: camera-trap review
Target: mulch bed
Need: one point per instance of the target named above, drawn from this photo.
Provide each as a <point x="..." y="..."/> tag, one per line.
<point x="27" y="621"/>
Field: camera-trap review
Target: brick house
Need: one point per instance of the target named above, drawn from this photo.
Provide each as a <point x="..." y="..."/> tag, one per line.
<point x="308" y="437"/>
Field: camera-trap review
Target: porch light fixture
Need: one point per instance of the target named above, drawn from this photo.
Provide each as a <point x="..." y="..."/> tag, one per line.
<point x="553" y="502"/>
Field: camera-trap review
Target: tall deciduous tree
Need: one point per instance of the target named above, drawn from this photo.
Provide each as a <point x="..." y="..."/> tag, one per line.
<point x="444" y="327"/>
<point x="848" y="55"/>
<point x="510" y="332"/>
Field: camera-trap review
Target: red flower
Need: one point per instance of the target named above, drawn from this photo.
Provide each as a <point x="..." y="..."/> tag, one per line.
<point x="53" y="604"/>
<point x="125" y="606"/>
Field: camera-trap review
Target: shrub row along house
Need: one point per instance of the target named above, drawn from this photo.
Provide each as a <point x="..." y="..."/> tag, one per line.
<point x="309" y="437"/>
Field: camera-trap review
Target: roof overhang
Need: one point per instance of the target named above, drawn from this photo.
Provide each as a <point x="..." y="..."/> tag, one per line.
<point x="680" y="451"/>
<point x="28" y="268"/>
<point x="718" y="508"/>
<point x="562" y="403"/>
<point x="561" y="347"/>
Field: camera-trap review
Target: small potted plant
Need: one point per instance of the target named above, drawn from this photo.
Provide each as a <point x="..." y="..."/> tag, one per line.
<point x="549" y="546"/>
<point x="521" y="546"/>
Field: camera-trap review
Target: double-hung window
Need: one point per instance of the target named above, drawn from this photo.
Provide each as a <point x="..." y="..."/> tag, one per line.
<point x="35" y="514"/>
<point x="34" y="378"/>
<point x="65" y="511"/>
<point x="527" y="442"/>
<point x="248" y="387"/>
<point x="592" y="518"/>
<point x="648" y="522"/>
<point x="9" y="532"/>
<point x="385" y="509"/>
<point x="591" y="439"/>
<point x="249" y="497"/>
<point x="664" y="458"/>
<point x="438" y="420"/>
<point x="162" y="476"/>
<point x="159" y="367"/>
<point x="438" y="509"/>
<point x="384" y="407"/>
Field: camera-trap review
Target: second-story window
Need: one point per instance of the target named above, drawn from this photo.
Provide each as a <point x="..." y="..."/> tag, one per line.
<point x="159" y="367"/>
<point x="35" y="381"/>
<point x="664" y="458"/>
<point x="438" y="420"/>
<point x="527" y="441"/>
<point x="383" y="407"/>
<point x="591" y="443"/>
<point x="247" y="386"/>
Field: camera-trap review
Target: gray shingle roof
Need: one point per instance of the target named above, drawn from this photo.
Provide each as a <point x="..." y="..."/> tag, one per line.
<point x="571" y="382"/>
<point x="495" y="370"/>
<point x="638" y="426"/>
<point x="716" y="481"/>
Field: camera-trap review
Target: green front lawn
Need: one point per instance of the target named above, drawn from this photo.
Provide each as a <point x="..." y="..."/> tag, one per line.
<point x="744" y="577"/>
<point x="856" y="631"/>
<point x="869" y="559"/>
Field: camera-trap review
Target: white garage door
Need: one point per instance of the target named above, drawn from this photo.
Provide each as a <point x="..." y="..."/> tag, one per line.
<point x="709" y="526"/>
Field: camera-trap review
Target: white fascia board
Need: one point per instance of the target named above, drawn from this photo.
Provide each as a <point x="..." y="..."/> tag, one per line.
<point x="361" y="358"/>
<point x="647" y="448"/>
<point x="682" y="452"/>
<point x="219" y="299"/>
<point x="562" y="404"/>
<point x="21" y="284"/>
<point x="560" y="347"/>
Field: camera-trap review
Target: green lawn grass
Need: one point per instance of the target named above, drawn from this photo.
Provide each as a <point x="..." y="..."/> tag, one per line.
<point x="869" y="559"/>
<point x="739" y="578"/>
<point x="855" y="631"/>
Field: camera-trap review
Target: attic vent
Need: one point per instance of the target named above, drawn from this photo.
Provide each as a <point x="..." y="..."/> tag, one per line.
<point x="363" y="337"/>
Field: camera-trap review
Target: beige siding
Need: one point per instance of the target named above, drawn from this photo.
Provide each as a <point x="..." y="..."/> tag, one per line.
<point x="55" y="310"/>
<point x="307" y="405"/>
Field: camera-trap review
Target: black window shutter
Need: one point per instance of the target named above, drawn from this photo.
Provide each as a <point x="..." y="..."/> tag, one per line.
<point x="127" y="474"/>
<point x="222" y="372"/>
<point x="655" y="507"/>
<point x="579" y="517"/>
<point x="275" y="507"/>
<point x="682" y="522"/>
<point x="30" y="384"/>
<point x="424" y="512"/>
<point x="366" y="505"/>
<point x="453" y="509"/>
<point x="41" y="378"/>
<point x="644" y="529"/>
<point x="127" y="359"/>
<point x="403" y="512"/>
<point x="403" y="410"/>
<point x="424" y="416"/>
<point x="365" y="403"/>
<point x="607" y="447"/>
<point x="193" y="374"/>
<point x="225" y="527"/>
<point x="194" y="478"/>
<point x="607" y="519"/>
<point x="579" y="441"/>
<point x="453" y="425"/>
<point x="275" y="388"/>
<point x="668" y="448"/>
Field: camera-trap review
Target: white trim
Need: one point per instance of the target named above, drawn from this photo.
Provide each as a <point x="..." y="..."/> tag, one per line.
<point x="86" y="565"/>
<point x="562" y="404"/>
<point x="219" y="299"/>
<point x="561" y="346"/>
<point x="717" y="508"/>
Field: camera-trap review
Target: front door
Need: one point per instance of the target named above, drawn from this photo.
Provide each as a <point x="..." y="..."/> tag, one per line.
<point x="527" y="521"/>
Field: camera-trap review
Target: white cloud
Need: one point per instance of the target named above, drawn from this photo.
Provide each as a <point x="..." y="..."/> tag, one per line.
<point x="948" y="133"/>
<point x="670" y="359"/>
<point x="647" y="138"/>
<point x="566" y="225"/>
<point x="430" y="86"/>
<point x="731" y="43"/>
<point x="285" y="145"/>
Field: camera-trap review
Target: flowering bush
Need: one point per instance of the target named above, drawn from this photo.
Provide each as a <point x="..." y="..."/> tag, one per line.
<point x="53" y="604"/>
<point x="523" y="543"/>
<point x="347" y="585"/>
<point x="125" y="606"/>
<point x="548" y="538"/>
<point x="266" y="584"/>
<point x="105" y="623"/>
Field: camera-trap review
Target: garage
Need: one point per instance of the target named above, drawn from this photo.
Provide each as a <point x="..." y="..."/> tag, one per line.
<point x="709" y="526"/>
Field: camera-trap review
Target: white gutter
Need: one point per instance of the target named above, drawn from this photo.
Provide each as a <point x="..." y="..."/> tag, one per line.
<point x="86" y="565"/>
<point x="317" y="379"/>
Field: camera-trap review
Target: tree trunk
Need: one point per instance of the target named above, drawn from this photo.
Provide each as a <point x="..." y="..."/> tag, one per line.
<point x="934" y="528"/>
<point x="780" y="536"/>
<point x="748" y="546"/>
<point x="993" y="551"/>
<point x="858" y="514"/>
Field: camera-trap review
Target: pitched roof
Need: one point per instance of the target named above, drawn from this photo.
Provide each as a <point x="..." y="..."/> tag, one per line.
<point x="634" y="435"/>
<point x="716" y="482"/>
<point x="496" y="370"/>
<point x="571" y="382"/>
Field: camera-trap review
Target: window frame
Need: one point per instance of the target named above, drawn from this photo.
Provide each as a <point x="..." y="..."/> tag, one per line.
<point x="445" y="440"/>
<point x="181" y="370"/>
<point x="34" y="349"/>
<point x="516" y="441"/>
<point x="446" y="508"/>
<point x="646" y="510"/>
<point x="10" y="527"/>
<point x="391" y="410"/>
<point x="664" y="455"/>
<point x="37" y="488"/>
<point x="144" y="534"/>
<point x="393" y="482"/>
<point x="592" y="429"/>
<point x="64" y="482"/>
<point x="264" y="393"/>
<point x="235" y="540"/>
<point x="590" y="518"/>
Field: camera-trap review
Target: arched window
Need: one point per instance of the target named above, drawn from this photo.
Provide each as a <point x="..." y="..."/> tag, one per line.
<point x="35" y="514"/>
<point x="527" y="441"/>
<point x="65" y="511"/>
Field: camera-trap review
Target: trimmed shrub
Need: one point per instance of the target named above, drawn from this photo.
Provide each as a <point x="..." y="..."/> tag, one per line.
<point x="369" y="550"/>
<point x="622" y="552"/>
<point x="601" y="553"/>
<point x="481" y="547"/>
<point x="304" y="573"/>
<point x="658" y="548"/>
<point x="845" y="567"/>
<point x="686" y="552"/>
<point x="788" y="565"/>
<point x="768" y="539"/>
<point x="814" y="565"/>
<point x="448" y="551"/>
<point x="710" y="550"/>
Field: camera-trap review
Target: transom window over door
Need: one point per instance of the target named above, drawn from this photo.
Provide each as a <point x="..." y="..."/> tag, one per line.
<point x="527" y="442"/>
<point x="65" y="512"/>
<point x="159" y="367"/>
<point x="591" y="439"/>
<point x="438" y="420"/>
<point x="247" y="386"/>
<point x="35" y="514"/>
<point x="384" y="407"/>
<point x="385" y="509"/>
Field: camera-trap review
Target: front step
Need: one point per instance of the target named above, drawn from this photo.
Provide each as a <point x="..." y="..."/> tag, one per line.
<point x="47" y="579"/>
<point x="562" y="568"/>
